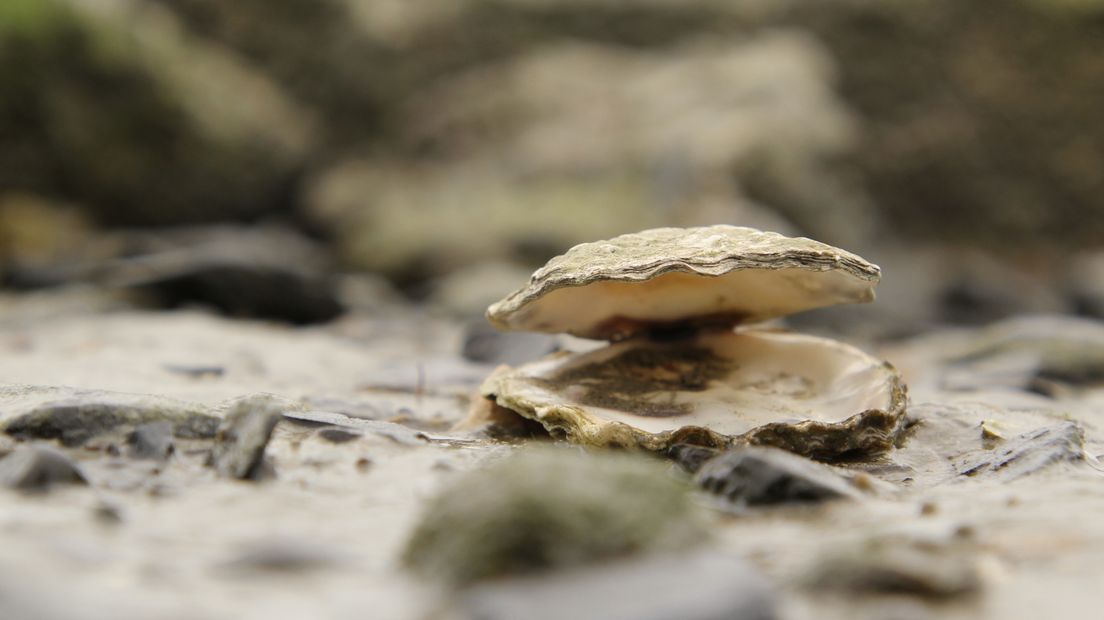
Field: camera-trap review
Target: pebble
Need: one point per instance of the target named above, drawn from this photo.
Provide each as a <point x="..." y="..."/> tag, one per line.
<point x="754" y="476"/>
<point x="38" y="468"/>
<point x="151" y="441"/>
<point x="239" y="450"/>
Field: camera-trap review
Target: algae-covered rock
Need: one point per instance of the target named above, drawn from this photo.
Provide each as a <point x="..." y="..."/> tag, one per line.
<point x="551" y="508"/>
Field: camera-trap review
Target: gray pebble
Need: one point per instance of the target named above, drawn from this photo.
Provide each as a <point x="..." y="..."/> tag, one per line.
<point x="753" y="476"/>
<point x="39" y="468"/>
<point x="151" y="441"/>
<point x="242" y="437"/>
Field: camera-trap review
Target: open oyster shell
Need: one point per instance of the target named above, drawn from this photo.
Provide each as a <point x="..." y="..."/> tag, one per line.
<point x="813" y="396"/>
<point x="683" y="277"/>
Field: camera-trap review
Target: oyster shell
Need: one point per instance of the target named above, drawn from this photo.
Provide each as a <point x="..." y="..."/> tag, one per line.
<point x="813" y="396"/>
<point x="679" y="277"/>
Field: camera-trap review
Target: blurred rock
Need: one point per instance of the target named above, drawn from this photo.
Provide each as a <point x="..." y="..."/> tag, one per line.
<point x="151" y="441"/>
<point x="259" y="272"/>
<point x="38" y="236"/>
<point x="528" y="159"/>
<point x="112" y="105"/>
<point x="687" y="120"/>
<point x="283" y="556"/>
<point x="1033" y="353"/>
<point x="981" y="121"/>
<point x="38" y="468"/>
<point x="415" y="222"/>
<point x="689" y="587"/>
<point x="939" y="569"/>
<point x="1085" y="284"/>
<point x="551" y="508"/>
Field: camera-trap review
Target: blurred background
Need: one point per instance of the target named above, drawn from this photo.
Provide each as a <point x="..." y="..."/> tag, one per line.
<point x="297" y="159"/>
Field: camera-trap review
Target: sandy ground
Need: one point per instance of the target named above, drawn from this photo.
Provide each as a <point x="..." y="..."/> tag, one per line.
<point x="321" y="539"/>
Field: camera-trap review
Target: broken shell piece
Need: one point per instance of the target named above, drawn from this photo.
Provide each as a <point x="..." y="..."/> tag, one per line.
<point x="683" y="277"/>
<point x="809" y="395"/>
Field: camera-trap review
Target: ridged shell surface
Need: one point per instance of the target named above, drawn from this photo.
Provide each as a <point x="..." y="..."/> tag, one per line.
<point x="667" y="278"/>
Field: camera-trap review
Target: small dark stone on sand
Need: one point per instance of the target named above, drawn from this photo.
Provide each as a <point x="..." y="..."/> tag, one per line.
<point x="39" y="468"/>
<point x="753" y="476"/>
<point x="108" y="514"/>
<point x="239" y="450"/>
<point x="337" y="435"/>
<point x="283" y="557"/>
<point x="151" y="441"/>
<point x="195" y="372"/>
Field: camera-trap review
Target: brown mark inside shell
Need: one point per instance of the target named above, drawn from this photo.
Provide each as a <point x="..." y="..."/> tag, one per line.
<point x="620" y="328"/>
<point x="643" y="381"/>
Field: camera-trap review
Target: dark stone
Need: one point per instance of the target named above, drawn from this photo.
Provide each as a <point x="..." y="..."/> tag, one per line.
<point x="753" y="476"/>
<point x="242" y="437"/>
<point x="687" y="587"/>
<point x="151" y="441"/>
<point x="337" y="435"/>
<point x="253" y="292"/>
<point x="195" y="372"/>
<point x="39" y="468"/>
<point x="283" y="557"/>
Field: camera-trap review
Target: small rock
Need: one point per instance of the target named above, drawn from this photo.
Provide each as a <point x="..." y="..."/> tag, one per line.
<point x="195" y="372"/>
<point x="694" y="587"/>
<point x="1027" y="453"/>
<point x="240" y="444"/>
<point x="754" y="476"/>
<point x="282" y="557"/>
<point x="151" y="441"/>
<point x="107" y="514"/>
<point x="39" y="468"/>
<point x="337" y="435"/>
<point x="551" y="508"/>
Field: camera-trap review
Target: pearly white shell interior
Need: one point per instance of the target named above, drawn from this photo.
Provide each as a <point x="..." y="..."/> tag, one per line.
<point x="746" y="295"/>
<point x="769" y="377"/>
